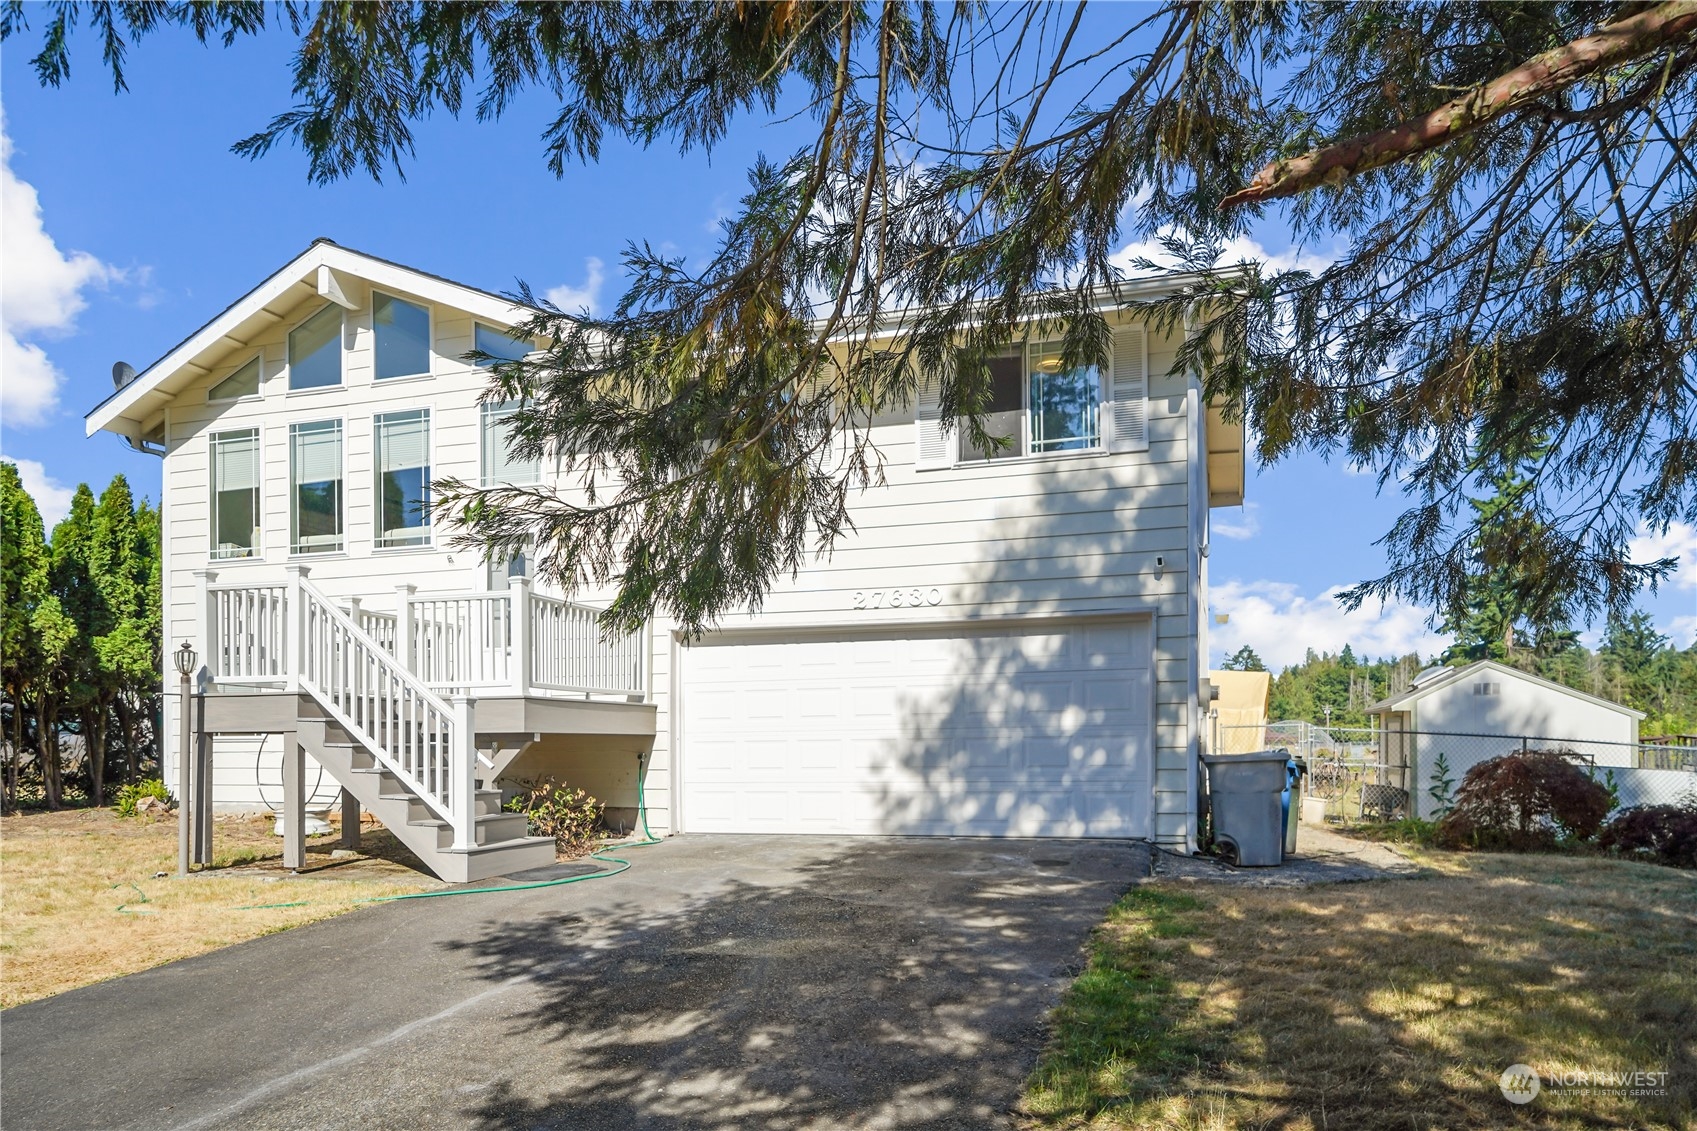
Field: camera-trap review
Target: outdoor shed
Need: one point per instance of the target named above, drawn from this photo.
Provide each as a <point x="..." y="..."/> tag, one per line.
<point x="1488" y="709"/>
<point x="1240" y="711"/>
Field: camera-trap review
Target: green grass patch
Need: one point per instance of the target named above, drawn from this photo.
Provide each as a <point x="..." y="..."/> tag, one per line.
<point x="1122" y="1029"/>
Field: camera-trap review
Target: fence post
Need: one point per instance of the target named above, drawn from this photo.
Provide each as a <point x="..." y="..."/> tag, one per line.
<point x="464" y="770"/>
<point x="518" y="633"/>
<point x="403" y="626"/>
<point x="294" y="626"/>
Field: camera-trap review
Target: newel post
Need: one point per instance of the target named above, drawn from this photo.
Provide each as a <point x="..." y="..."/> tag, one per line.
<point x="403" y="626"/>
<point x="518" y="588"/>
<point x="294" y="635"/>
<point x="207" y="616"/>
<point x="463" y="773"/>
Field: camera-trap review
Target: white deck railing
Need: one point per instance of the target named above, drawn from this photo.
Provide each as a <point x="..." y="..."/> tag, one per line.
<point x="514" y="642"/>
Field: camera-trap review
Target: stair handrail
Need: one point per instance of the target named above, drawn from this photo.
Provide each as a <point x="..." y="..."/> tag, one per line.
<point x="423" y="739"/>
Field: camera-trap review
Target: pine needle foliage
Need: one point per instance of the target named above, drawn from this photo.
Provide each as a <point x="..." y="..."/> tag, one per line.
<point x="1498" y="200"/>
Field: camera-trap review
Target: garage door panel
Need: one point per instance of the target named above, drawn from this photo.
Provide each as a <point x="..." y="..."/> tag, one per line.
<point x="999" y="732"/>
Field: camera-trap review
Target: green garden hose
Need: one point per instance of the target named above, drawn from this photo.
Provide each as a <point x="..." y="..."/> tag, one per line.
<point x="601" y="854"/>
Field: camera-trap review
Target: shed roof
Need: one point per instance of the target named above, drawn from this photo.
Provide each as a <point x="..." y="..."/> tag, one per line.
<point x="1451" y="677"/>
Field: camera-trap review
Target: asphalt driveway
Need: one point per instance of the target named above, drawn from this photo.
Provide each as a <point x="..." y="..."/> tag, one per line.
<point x="722" y="982"/>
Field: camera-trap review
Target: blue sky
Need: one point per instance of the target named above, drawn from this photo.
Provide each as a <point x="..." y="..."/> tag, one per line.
<point x="127" y="223"/>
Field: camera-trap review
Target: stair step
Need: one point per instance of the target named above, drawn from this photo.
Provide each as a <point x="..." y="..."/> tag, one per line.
<point x="492" y="828"/>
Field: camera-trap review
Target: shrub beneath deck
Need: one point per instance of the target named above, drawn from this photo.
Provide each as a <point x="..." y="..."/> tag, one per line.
<point x="566" y="813"/>
<point x="1526" y="801"/>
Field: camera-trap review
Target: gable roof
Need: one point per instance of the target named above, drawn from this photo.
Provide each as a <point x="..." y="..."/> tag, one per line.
<point x="315" y="271"/>
<point x="1450" y="677"/>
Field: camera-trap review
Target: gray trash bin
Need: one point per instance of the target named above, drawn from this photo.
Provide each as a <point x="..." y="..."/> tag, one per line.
<point x="1246" y="798"/>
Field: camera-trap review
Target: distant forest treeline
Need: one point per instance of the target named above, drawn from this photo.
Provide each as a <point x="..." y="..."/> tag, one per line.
<point x="1635" y="665"/>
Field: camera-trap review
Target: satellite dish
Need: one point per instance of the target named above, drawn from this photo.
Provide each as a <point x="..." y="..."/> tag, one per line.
<point x="122" y="374"/>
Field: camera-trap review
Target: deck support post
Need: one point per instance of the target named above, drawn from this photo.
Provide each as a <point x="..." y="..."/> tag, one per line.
<point x="463" y="767"/>
<point x="202" y="783"/>
<point x="350" y="820"/>
<point x="294" y="803"/>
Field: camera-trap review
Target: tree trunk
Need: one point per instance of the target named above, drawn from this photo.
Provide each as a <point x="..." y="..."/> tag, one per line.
<point x="11" y="782"/>
<point x="94" y="749"/>
<point x="52" y="785"/>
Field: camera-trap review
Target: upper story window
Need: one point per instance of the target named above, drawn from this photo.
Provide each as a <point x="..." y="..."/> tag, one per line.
<point x="402" y="332"/>
<point x="403" y="478"/>
<point x="244" y="382"/>
<point x="1039" y="406"/>
<point x="498" y="344"/>
<point x="235" y="494"/>
<point x="315" y="495"/>
<point x="499" y="464"/>
<point x="315" y="350"/>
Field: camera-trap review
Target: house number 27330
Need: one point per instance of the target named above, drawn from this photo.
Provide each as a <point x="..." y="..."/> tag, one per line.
<point x="896" y="598"/>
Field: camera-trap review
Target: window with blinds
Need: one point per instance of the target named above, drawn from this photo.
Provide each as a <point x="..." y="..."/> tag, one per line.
<point x="315" y="478"/>
<point x="403" y="478"/>
<point x="499" y="464"/>
<point x="402" y="337"/>
<point x="315" y="350"/>
<point x="235" y="494"/>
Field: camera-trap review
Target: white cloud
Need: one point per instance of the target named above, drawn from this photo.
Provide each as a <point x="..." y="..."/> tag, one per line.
<point x="1678" y="541"/>
<point x="1235" y="250"/>
<point x="1244" y="525"/>
<point x="575" y="299"/>
<point x="52" y="498"/>
<point x="1281" y="624"/>
<point x="41" y="294"/>
<point x="1683" y="631"/>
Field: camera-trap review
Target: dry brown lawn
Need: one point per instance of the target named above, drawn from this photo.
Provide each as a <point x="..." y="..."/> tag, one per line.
<point x="81" y="899"/>
<point x="1391" y="1004"/>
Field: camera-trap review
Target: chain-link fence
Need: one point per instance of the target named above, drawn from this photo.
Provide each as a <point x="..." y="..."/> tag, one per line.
<point x="1360" y="773"/>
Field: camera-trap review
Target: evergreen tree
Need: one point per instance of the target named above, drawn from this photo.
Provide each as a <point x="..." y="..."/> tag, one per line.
<point x="23" y="588"/>
<point x="1244" y="660"/>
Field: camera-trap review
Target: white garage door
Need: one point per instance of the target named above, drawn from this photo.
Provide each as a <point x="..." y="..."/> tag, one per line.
<point x="1028" y="731"/>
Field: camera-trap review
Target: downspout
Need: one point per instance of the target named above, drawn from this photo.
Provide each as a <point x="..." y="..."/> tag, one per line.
<point x="1198" y="552"/>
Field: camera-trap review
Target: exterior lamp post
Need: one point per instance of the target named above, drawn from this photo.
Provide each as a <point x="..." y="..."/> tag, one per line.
<point x="185" y="659"/>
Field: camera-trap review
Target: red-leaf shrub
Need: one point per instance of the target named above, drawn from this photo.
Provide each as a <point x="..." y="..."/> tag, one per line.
<point x="1524" y="801"/>
<point x="1667" y="833"/>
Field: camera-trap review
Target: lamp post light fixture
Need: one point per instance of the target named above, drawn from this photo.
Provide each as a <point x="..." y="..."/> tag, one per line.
<point x="185" y="659"/>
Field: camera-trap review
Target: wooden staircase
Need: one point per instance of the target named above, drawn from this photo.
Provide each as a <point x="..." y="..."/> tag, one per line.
<point x="499" y="843"/>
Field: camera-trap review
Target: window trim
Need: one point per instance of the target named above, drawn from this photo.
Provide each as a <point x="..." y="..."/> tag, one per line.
<point x="258" y="388"/>
<point x="341" y="381"/>
<point x="1026" y="455"/>
<point x="258" y="554"/>
<point x="295" y="550"/>
<point x="377" y="543"/>
<point x="429" y="369"/>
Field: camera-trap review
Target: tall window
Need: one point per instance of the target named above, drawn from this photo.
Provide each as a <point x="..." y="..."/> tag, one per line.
<point x="403" y="337"/>
<point x="498" y="344"/>
<point x="1065" y="403"/>
<point x="1038" y="406"/>
<point x="499" y="464"/>
<point x="235" y="494"/>
<point x="403" y="478"/>
<point x="244" y="382"/>
<point x="315" y="350"/>
<point x="315" y="475"/>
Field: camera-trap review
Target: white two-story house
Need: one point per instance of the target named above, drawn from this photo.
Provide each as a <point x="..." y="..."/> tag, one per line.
<point x="1011" y="643"/>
